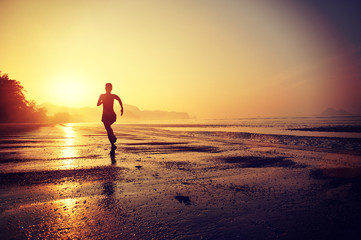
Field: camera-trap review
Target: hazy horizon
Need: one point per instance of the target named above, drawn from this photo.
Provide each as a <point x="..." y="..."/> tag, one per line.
<point x="211" y="59"/>
<point x="133" y="112"/>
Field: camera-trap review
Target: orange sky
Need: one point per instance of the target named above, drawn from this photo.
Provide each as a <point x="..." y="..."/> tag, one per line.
<point x="220" y="59"/>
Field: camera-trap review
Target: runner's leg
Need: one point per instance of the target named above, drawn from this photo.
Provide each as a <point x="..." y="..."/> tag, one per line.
<point x="110" y="133"/>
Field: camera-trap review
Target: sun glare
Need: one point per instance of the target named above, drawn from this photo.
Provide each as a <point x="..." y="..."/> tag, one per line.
<point x="69" y="91"/>
<point x="68" y="152"/>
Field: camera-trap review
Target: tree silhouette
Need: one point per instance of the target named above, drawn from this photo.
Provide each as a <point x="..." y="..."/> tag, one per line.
<point x="14" y="107"/>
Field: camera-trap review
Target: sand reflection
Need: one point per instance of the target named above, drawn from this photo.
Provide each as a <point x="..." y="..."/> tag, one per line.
<point x="340" y="165"/>
<point x="70" y="219"/>
<point x="68" y="152"/>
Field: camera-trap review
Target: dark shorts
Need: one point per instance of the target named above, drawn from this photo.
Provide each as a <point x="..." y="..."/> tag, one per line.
<point x="109" y="117"/>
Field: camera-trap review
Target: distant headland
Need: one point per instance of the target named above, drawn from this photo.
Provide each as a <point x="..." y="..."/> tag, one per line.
<point x="58" y="113"/>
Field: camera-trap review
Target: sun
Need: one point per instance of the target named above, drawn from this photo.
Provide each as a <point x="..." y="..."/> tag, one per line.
<point x="69" y="91"/>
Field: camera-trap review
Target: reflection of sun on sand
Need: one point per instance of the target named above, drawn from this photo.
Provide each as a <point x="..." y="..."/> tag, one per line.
<point x="70" y="209"/>
<point x="69" y="152"/>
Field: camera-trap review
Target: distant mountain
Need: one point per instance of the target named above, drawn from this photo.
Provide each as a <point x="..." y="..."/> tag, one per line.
<point x="88" y="114"/>
<point x="334" y="112"/>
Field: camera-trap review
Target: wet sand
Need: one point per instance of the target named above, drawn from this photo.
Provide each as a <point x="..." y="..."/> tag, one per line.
<point x="62" y="182"/>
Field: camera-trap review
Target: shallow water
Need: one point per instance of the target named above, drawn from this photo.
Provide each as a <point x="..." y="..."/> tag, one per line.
<point x="273" y="126"/>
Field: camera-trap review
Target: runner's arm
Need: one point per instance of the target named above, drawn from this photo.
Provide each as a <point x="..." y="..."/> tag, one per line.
<point x="120" y="103"/>
<point x="100" y="100"/>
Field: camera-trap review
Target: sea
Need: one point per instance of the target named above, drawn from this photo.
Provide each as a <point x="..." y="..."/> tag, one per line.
<point x="336" y="126"/>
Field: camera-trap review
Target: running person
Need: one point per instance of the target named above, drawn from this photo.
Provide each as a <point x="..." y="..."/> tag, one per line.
<point x="109" y="116"/>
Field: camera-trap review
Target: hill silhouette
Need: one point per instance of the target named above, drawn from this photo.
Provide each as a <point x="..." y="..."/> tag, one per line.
<point x="58" y="113"/>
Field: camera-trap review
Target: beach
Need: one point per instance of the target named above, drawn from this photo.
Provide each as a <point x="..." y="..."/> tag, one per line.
<point x="239" y="179"/>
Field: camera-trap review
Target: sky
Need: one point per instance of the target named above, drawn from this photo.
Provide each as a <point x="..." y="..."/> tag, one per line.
<point x="209" y="58"/>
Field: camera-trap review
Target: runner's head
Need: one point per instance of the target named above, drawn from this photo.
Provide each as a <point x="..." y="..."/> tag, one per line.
<point x="108" y="87"/>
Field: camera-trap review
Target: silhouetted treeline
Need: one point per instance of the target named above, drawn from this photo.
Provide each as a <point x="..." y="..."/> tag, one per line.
<point x="14" y="107"/>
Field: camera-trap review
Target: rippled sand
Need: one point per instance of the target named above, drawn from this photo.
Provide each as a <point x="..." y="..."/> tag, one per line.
<point x="61" y="182"/>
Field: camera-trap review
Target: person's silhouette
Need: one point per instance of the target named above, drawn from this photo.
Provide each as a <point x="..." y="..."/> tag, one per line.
<point x="109" y="116"/>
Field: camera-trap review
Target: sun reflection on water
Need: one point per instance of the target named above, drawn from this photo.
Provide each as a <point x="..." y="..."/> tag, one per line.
<point x="70" y="220"/>
<point x="69" y="151"/>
